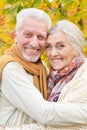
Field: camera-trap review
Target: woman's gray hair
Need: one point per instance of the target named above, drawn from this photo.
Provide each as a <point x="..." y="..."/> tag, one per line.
<point x="73" y="33"/>
<point x="32" y="13"/>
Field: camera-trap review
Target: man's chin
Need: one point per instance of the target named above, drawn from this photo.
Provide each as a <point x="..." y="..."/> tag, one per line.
<point x="31" y="59"/>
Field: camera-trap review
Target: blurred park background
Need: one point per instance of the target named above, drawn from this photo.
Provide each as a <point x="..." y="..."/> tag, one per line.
<point x="73" y="10"/>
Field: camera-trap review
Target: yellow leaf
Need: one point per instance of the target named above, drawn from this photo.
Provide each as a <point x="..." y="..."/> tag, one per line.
<point x="2" y="4"/>
<point x="1" y="51"/>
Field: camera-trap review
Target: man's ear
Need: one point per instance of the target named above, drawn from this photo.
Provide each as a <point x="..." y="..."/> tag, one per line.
<point x="12" y="34"/>
<point x="15" y="37"/>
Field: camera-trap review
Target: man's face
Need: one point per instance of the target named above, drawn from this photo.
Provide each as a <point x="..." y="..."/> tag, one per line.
<point x="31" y="39"/>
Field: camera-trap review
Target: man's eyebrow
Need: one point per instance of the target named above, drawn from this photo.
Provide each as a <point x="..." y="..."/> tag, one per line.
<point x="43" y="34"/>
<point x="59" y="42"/>
<point x="27" y="31"/>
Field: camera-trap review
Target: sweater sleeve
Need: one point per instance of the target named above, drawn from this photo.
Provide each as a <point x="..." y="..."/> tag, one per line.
<point x="24" y="96"/>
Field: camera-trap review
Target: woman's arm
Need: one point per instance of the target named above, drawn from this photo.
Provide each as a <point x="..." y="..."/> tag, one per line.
<point x="24" y="96"/>
<point x="2" y="128"/>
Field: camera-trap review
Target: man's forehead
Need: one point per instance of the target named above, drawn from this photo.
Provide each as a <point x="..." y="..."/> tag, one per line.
<point x="35" y="31"/>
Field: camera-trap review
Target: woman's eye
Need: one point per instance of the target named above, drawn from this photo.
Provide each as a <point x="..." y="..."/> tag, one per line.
<point x="60" y="46"/>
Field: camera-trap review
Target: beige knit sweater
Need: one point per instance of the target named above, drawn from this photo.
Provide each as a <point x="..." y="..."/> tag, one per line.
<point x="74" y="92"/>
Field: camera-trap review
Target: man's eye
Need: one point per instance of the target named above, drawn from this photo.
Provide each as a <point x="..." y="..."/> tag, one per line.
<point x="48" y="46"/>
<point x="28" y="35"/>
<point x="41" y="38"/>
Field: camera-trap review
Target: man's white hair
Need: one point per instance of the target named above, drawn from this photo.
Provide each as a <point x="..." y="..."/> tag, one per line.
<point x="35" y="13"/>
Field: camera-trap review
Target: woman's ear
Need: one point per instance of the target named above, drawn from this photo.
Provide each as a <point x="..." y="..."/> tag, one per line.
<point x="76" y="53"/>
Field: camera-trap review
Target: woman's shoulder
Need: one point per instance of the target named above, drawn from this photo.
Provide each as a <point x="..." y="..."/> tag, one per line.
<point x="84" y="65"/>
<point x="82" y="71"/>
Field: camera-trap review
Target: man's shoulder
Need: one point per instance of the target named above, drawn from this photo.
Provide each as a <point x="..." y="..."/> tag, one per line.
<point x="12" y="65"/>
<point x="12" y="68"/>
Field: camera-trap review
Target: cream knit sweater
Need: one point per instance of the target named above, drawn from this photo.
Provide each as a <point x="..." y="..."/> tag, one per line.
<point x="74" y="92"/>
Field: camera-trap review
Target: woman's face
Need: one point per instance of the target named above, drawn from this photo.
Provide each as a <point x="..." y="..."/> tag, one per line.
<point x="59" y="50"/>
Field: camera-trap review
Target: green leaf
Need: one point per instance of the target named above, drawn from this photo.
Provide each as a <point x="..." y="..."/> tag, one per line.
<point x="67" y="1"/>
<point x="37" y="1"/>
<point x="64" y="13"/>
<point x="54" y="11"/>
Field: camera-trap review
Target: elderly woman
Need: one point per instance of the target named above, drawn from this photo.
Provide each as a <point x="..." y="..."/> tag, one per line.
<point x="67" y="80"/>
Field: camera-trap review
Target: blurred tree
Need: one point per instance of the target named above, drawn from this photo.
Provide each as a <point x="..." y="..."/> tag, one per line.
<point x="74" y="10"/>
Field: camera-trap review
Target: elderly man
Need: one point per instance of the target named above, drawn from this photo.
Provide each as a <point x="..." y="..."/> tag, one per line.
<point x="23" y="77"/>
<point x="21" y="68"/>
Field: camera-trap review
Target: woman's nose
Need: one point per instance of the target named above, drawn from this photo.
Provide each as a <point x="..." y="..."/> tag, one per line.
<point x="54" y="52"/>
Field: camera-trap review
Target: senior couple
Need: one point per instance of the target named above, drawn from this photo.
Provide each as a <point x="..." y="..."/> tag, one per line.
<point x="29" y="98"/>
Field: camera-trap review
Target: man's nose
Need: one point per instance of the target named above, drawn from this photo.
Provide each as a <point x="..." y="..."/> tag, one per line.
<point x="34" y="41"/>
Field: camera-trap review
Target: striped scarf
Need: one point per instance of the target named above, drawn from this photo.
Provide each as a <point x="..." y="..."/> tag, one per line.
<point x="57" y="80"/>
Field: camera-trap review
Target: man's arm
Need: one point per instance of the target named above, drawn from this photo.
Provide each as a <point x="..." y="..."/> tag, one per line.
<point x="23" y="95"/>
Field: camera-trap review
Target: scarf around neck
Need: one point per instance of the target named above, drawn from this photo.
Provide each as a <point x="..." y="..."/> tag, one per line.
<point x="36" y="69"/>
<point x="57" y="80"/>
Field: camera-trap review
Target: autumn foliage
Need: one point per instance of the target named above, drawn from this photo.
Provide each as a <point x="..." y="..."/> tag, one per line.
<point x="74" y="10"/>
